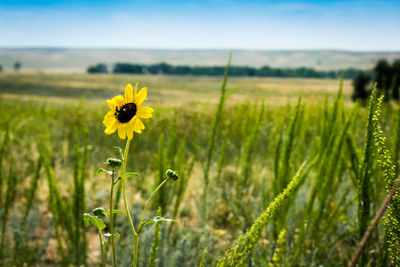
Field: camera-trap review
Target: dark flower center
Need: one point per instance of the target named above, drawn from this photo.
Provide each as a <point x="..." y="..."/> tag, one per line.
<point x="125" y="113"/>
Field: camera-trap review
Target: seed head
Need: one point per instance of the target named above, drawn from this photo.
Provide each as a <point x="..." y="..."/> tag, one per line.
<point x="113" y="163"/>
<point x="172" y="175"/>
<point x="99" y="212"/>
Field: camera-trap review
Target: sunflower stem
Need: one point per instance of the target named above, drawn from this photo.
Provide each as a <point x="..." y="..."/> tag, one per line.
<point x="125" y="159"/>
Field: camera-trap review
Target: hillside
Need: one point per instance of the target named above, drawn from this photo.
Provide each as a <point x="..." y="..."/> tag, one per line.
<point x="76" y="60"/>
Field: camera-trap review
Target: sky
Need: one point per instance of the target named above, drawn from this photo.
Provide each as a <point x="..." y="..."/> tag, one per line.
<point x="207" y="24"/>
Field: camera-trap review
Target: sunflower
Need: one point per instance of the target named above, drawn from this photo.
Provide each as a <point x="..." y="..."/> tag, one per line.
<point x="126" y="114"/>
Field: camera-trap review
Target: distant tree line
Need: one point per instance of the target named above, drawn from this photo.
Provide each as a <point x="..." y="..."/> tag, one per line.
<point x="386" y="77"/>
<point x="265" y="71"/>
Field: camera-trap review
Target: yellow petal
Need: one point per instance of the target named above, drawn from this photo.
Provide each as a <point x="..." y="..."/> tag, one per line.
<point x="109" y="118"/>
<point x="128" y="93"/>
<point x="144" y="112"/>
<point x="136" y="89"/>
<point x="119" y="100"/>
<point x="112" y="128"/>
<point x="111" y="104"/>
<point x="141" y="96"/>
<point x="129" y="131"/>
<point x="139" y="126"/>
<point x="121" y="132"/>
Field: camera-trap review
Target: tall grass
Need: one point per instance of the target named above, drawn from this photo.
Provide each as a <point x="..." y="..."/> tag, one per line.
<point x="235" y="195"/>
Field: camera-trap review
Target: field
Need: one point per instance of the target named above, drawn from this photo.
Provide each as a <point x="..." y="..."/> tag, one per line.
<point x="294" y="154"/>
<point x="168" y="90"/>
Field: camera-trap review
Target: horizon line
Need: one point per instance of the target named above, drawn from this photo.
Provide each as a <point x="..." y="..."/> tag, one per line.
<point x="198" y="49"/>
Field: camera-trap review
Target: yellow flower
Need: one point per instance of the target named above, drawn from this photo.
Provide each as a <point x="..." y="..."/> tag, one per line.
<point x="125" y="114"/>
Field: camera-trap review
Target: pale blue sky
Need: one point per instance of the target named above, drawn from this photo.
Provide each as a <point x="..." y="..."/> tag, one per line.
<point x="223" y="24"/>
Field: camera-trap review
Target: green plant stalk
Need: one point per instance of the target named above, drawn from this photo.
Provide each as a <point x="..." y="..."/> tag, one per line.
<point x="156" y="243"/>
<point x="103" y="259"/>
<point x="10" y="193"/>
<point x="111" y="221"/>
<point x="212" y="140"/>
<point x="34" y="183"/>
<point x="136" y="237"/>
<point x="239" y="253"/>
<point x="364" y="180"/>
<point x="148" y="203"/>
<point x="128" y="214"/>
<point x="82" y="194"/>
<point x="373" y="225"/>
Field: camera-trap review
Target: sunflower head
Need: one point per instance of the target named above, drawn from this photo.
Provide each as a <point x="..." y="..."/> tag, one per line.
<point x="126" y="113"/>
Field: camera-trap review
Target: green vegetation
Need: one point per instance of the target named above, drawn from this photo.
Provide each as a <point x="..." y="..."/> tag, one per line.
<point x="264" y="71"/>
<point x="386" y="77"/>
<point x="261" y="184"/>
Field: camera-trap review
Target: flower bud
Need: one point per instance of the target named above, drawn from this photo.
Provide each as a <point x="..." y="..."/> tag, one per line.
<point x="172" y="175"/>
<point x="113" y="163"/>
<point x="99" y="212"/>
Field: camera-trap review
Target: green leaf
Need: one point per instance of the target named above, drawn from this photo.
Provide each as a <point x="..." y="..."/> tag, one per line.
<point x="98" y="223"/>
<point x="101" y="170"/>
<point x="86" y="219"/>
<point x="156" y="220"/>
<point x="130" y="174"/>
<point x="115" y="211"/>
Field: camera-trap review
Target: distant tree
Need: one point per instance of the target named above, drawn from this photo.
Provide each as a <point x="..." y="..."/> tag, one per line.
<point x="360" y="84"/>
<point x="1" y="68"/>
<point x="383" y="77"/>
<point x="161" y="68"/>
<point x="128" y="68"/>
<point x="183" y="70"/>
<point x="17" y="66"/>
<point x="99" y="68"/>
<point x="396" y="79"/>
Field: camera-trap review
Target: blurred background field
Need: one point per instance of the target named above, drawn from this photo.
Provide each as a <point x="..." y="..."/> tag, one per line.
<point x="167" y="90"/>
<point x="52" y="134"/>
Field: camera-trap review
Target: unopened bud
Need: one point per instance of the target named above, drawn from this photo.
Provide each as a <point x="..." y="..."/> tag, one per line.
<point x="172" y="175"/>
<point x="99" y="212"/>
<point x="113" y="163"/>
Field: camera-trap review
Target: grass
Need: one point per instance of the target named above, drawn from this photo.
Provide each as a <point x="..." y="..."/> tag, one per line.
<point x="167" y="90"/>
<point x="52" y="143"/>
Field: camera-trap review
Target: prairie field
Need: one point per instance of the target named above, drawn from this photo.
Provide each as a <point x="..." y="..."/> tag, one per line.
<point x="272" y="172"/>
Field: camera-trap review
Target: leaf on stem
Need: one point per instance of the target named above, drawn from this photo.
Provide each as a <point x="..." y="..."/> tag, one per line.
<point x="156" y="220"/>
<point x="129" y="174"/>
<point x="115" y="211"/>
<point x="101" y="170"/>
<point x="89" y="218"/>
<point x="86" y="219"/>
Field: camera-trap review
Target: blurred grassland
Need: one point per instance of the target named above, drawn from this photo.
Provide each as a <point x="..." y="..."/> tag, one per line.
<point x="168" y="90"/>
<point x="257" y="151"/>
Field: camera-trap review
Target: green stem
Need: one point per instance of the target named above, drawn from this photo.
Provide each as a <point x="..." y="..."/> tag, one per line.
<point x="128" y="214"/>
<point x="136" y="237"/>
<point x="112" y="220"/>
<point x="148" y="203"/>
<point x="103" y="259"/>
<point x="136" y="249"/>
